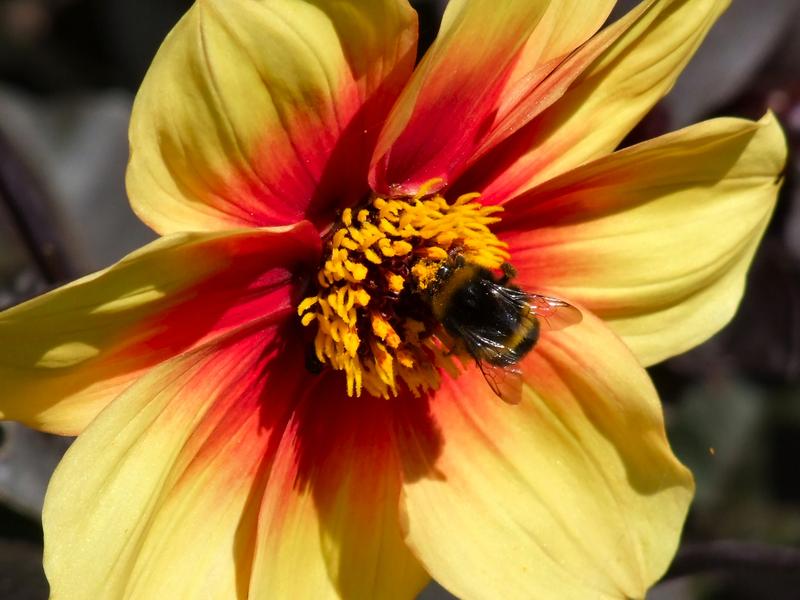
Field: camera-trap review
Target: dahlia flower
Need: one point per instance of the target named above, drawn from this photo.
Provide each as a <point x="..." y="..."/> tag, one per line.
<point x="264" y="406"/>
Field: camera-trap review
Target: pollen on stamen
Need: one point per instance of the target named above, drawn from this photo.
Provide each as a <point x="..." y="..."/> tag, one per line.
<point x="372" y="321"/>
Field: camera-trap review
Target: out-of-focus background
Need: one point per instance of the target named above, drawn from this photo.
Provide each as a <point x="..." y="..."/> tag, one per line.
<point x="68" y="73"/>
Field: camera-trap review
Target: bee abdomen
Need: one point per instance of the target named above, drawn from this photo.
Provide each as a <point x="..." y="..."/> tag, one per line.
<point x="518" y="343"/>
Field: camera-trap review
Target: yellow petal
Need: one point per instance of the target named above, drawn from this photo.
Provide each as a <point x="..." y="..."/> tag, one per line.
<point x="265" y="112"/>
<point x="530" y="93"/>
<point x="65" y="355"/>
<point x="657" y="238"/>
<point x="477" y="76"/>
<point x="573" y="493"/>
<point x="441" y="111"/>
<point x="566" y="25"/>
<point x="329" y="525"/>
<point x="158" y="497"/>
<point x="605" y="102"/>
<point x="228" y="472"/>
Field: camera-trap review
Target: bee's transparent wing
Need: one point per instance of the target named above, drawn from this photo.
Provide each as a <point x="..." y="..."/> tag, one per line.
<point x="497" y="366"/>
<point x="553" y="313"/>
<point x="506" y="381"/>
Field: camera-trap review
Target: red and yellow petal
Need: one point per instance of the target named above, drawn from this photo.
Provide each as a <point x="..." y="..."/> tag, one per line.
<point x="482" y="58"/>
<point x="573" y="493"/>
<point x="536" y="91"/>
<point x="330" y="510"/>
<point x="66" y="354"/>
<point x="265" y="113"/>
<point x="228" y="472"/>
<point x="157" y="498"/>
<point x="648" y="50"/>
<point x="656" y="239"/>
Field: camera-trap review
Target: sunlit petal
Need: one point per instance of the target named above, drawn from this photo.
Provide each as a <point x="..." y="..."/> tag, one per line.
<point x="483" y="64"/>
<point x="329" y="525"/>
<point x="68" y="353"/>
<point x="657" y="238"/>
<point x="265" y="112"/>
<point x="649" y="50"/>
<point x="573" y="493"/>
<point x="158" y="497"/>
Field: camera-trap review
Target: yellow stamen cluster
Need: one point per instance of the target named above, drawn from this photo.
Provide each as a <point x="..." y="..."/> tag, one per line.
<point x="372" y="320"/>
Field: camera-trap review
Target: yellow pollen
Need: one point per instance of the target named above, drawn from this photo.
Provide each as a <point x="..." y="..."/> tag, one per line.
<point x="425" y="272"/>
<point x="393" y="247"/>
<point x="395" y="282"/>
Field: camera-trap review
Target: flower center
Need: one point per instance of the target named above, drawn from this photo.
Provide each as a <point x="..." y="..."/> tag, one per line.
<point x="372" y="305"/>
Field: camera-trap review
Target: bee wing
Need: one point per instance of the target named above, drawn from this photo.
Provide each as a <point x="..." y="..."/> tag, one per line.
<point x="505" y="378"/>
<point x="481" y="345"/>
<point x="553" y="313"/>
<point x="506" y="382"/>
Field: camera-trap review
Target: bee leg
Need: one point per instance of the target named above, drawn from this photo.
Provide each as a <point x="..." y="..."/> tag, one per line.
<point x="509" y="272"/>
<point x="456" y="348"/>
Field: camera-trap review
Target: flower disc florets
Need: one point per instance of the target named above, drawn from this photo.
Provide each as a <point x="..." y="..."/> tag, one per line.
<point x="371" y="308"/>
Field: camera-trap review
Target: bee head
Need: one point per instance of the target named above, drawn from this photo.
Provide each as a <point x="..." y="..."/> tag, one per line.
<point x="444" y="272"/>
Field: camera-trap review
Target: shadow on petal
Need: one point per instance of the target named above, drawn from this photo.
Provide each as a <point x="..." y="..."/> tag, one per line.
<point x="326" y="497"/>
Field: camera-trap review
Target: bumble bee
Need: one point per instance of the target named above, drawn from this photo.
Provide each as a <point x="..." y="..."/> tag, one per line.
<point x="497" y="323"/>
